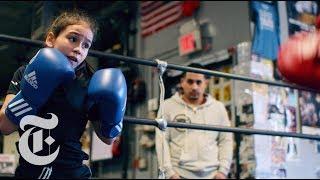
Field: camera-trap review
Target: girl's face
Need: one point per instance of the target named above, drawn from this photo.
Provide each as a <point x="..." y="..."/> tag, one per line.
<point x="74" y="42"/>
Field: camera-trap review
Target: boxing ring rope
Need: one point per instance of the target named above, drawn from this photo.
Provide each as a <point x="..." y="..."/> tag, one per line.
<point x="146" y="62"/>
<point x="144" y="121"/>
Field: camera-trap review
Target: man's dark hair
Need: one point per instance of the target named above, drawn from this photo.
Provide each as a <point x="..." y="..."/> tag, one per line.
<point x="195" y="65"/>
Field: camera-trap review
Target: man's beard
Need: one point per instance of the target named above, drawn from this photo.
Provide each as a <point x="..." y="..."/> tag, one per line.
<point x="194" y="96"/>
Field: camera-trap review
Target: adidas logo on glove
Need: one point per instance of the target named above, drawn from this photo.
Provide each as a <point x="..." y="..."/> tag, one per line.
<point x="31" y="78"/>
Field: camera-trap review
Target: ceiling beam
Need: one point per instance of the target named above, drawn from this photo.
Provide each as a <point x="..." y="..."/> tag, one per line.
<point x="111" y="10"/>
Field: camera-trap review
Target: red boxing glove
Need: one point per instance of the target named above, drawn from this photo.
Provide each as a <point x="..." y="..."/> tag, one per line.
<point x="318" y="22"/>
<point x="188" y="7"/>
<point x="298" y="59"/>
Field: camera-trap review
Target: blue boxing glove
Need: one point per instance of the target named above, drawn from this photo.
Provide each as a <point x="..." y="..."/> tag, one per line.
<point x="47" y="70"/>
<point x="108" y="92"/>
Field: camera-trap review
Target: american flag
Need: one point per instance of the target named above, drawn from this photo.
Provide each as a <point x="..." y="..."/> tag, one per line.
<point x="156" y="15"/>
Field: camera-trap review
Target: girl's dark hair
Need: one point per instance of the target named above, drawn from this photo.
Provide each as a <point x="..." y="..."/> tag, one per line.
<point x="70" y="18"/>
